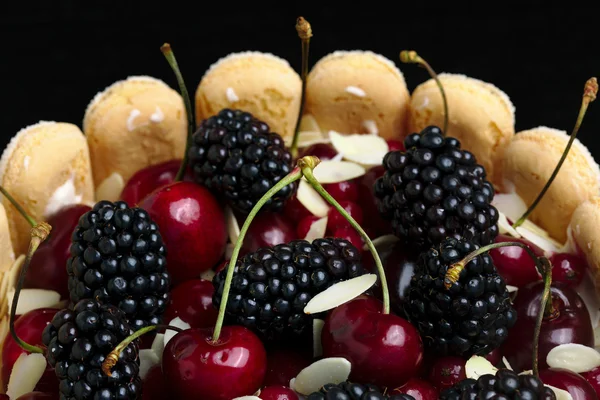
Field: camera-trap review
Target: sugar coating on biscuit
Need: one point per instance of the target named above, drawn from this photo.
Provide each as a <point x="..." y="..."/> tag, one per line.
<point x="12" y="145"/>
<point x="245" y="54"/>
<point x="369" y="53"/>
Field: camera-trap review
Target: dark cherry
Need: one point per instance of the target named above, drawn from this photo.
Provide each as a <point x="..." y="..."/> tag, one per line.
<point x="568" y="268"/>
<point x="418" y="389"/>
<point x="154" y="386"/>
<point x="194" y="365"/>
<point x="47" y="269"/>
<point x="324" y="151"/>
<point x="593" y="378"/>
<point x="570" y="324"/>
<point x="268" y="229"/>
<point x="336" y="220"/>
<point x="278" y="393"/>
<point x="575" y="384"/>
<point x="495" y="357"/>
<point x="373" y="223"/>
<point x="283" y="364"/>
<point x="395" y="145"/>
<point x="192" y="302"/>
<point x="192" y="225"/>
<point x="295" y="211"/>
<point x="513" y="263"/>
<point x="304" y="226"/>
<point x="350" y="234"/>
<point x="384" y="349"/>
<point x="343" y="191"/>
<point x="447" y="371"/>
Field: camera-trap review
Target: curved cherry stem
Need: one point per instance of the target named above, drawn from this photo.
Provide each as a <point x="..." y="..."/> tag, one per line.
<point x="113" y="357"/>
<point x="546" y="304"/>
<point x="19" y="208"/>
<point x="589" y="94"/>
<point x="411" y="57"/>
<point x="293" y="176"/>
<point x="307" y="170"/>
<point x="305" y="33"/>
<point x="170" y="56"/>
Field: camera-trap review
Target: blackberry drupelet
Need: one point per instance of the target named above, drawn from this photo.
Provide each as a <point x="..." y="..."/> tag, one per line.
<point x="354" y="391"/>
<point x="78" y="341"/>
<point x="236" y="155"/>
<point x="505" y="385"/>
<point x="118" y="257"/>
<point x="271" y="286"/>
<point x="435" y="190"/>
<point x="473" y="316"/>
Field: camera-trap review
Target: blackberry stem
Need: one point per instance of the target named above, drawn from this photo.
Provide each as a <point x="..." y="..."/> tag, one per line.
<point x="306" y="163"/>
<point x="304" y="33"/>
<point x="39" y="233"/>
<point x="589" y="94"/>
<point x="546" y="304"/>
<point x="411" y="57"/>
<point x="170" y="56"/>
<point x="293" y="176"/>
<point x="19" y="208"/>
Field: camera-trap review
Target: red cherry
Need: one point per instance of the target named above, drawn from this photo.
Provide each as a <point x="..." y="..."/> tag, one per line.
<point x="343" y="191"/>
<point x="221" y="266"/>
<point x="374" y="224"/>
<point x="350" y="234"/>
<point x="593" y="378"/>
<point x="304" y="225"/>
<point x="283" y="364"/>
<point x="568" y="268"/>
<point x="36" y="396"/>
<point x="324" y="151"/>
<point x="295" y="211"/>
<point x="514" y="264"/>
<point x="278" y="393"/>
<point x="268" y="229"/>
<point x="446" y="372"/>
<point x="495" y="356"/>
<point x="154" y="386"/>
<point x="384" y="349"/>
<point x="192" y="302"/>
<point x="336" y="220"/>
<point x="419" y="389"/>
<point x="192" y="225"/>
<point x="194" y="365"/>
<point x="571" y="324"/>
<point x="47" y="269"/>
<point x="575" y="384"/>
<point x="147" y="180"/>
<point x="395" y="145"/>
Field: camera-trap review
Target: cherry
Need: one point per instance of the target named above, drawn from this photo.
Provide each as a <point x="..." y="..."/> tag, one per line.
<point x="570" y="323"/>
<point x="343" y="191"/>
<point x="513" y="263"/>
<point x="147" y="180"/>
<point x="384" y="349"/>
<point x="278" y="393"/>
<point x="47" y="269"/>
<point x="593" y="378"/>
<point x="374" y="224"/>
<point x="568" y="268"/>
<point x="192" y="225"/>
<point x="37" y="396"/>
<point x="495" y="356"/>
<point x="192" y="302"/>
<point x="304" y="225"/>
<point x="350" y="234"/>
<point x="336" y="220"/>
<point x="154" y="386"/>
<point x="295" y="211"/>
<point x="575" y="384"/>
<point x="324" y="151"/>
<point x="395" y="145"/>
<point x="268" y="229"/>
<point x="234" y="366"/>
<point x="283" y="364"/>
<point x="418" y="388"/>
<point x="445" y="372"/>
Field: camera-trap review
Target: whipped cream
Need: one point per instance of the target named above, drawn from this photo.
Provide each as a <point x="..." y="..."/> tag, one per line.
<point x="371" y="126"/>
<point x="26" y="161"/>
<point x="231" y="95"/>
<point x="64" y="195"/>
<point x="356" y="91"/>
<point x="130" y="120"/>
<point x="157" y="116"/>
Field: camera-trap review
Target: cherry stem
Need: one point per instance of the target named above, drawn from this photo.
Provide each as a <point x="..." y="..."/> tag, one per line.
<point x="411" y="57"/>
<point x="170" y="56"/>
<point x="305" y="33"/>
<point x="293" y="176"/>
<point x="39" y="233"/>
<point x="307" y="171"/>
<point x="19" y="208"/>
<point x="545" y="304"/>
<point x="589" y="94"/>
<point x="113" y="356"/>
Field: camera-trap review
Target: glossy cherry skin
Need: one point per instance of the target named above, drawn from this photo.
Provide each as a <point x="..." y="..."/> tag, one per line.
<point x="147" y="180"/>
<point x="395" y="145"/>
<point x="194" y="365"/>
<point x="419" y="389"/>
<point x="295" y="211"/>
<point x="154" y="386"/>
<point x="269" y="229"/>
<point x="278" y="393"/>
<point x="384" y="349"/>
<point x="575" y="384"/>
<point x="38" y="396"/>
<point x="373" y="223"/>
<point x="445" y="372"/>
<point x="47" y="269"/>
<point x="192" y="302"/>
<point x="343" y="191"/>
<point x="336" y="220"/>
<point x="568" y="268"/>
<point x="324" y="151"/>
<point x="495" y="356"/>
<point x="571" y="324"/>
<point x="348" y="233"/>
<point x="304" y="225"/>
<point x="513" y="263"/>
<point x="283" y="364"/>
<point x="593" y="378"/>
<point x="192" y="225"/>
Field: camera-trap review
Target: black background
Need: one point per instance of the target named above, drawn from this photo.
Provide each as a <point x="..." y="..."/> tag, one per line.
<point x="55" y="57"/>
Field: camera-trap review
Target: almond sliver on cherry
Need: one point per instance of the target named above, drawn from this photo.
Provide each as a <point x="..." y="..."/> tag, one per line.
<point x="317" y="230"/>
<point x="330" y="171"/>
<point x="309" y="198"/>
<point x="327" y="370"/>
<point x="367" y="150"/>
<point x="32" y="299"/>
<point x="26" y="373"/>
<point x="477" y="366"/>
<point x="307" y="138"/>
<point x="110" y="189"/>
<point x="340" y="293"/>
<point x="177" y="323"/>
<point x="574" y="357"/>
<point x="233" y="227"/>
<point x="510" y="204"/>
<point x="505" y="228"/>
<point x="382" y="241"/>
<point x="548" y="245"/>
<point x="158" y="345"/>
<point x="587" y="291"/>
<point x="148" y="359"/>
<point x="317" y="343"/>
<point x="208" y="275"/>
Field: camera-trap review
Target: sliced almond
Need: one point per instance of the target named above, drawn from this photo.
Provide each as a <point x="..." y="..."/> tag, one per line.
<point x="511" y="289"/>
<point x="317" y="230"/>
<point x="327" y="370"/>
<point x="477" y="366"/>
<point x="26" y="373"/>
<point x="307" y="138"/>
<point x="169" y="334"/>
<point x="233" y="228"/>
<point x="505" y="228"/>
<point x="574" y="357"/>
<point x="560" y="393"/>
<point x="309" y="123"/>
<point x="9" y="279"/>
<point x="510" y="204"/>
<point x="588" y="293"/>
<point x="309" y="198"/>
<point x="546" y="244"/>
<point x="367" y="150"/>
<point x="158" y="345"/>
<point x="384" y="240"/>
<point x="32" y="299"/>
<point x="111" y="188"/>
<point x="330" y="171"/>
<point x="317" y="343"/>
<point x="506" y="363"/>
<point x="229" y="250"/>
<point x="208" y="275"/>
<point x="148" y="359"/>
<point x="570" y="246"/>
<point x="340" y="293"/>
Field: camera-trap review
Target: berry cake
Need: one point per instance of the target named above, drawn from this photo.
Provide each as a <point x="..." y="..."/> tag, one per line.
<point x="313" y="235"/>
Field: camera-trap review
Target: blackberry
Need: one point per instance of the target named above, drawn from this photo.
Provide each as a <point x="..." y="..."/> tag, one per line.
<point x="236" y="155"/>
<point x="354" y="391"/>
<point x="118" y="257"/>
<point x="78" y="341"/>
<point x="435" y="190"/>
<point x="505" y="385"/>
<point x="473" y="316"/>
<point x="271" y="286"/>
